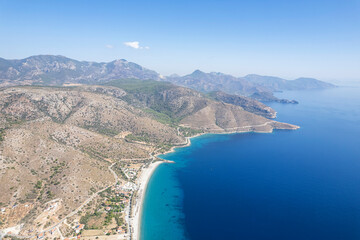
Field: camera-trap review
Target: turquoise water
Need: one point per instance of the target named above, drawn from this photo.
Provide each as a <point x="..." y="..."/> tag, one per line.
<point x="302" y="184"/>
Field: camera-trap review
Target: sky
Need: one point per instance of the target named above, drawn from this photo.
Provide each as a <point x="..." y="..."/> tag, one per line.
<point x="289" y="38"/>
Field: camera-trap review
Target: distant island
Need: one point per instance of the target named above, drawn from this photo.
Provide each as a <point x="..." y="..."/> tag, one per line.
<point x="79" y="140"/>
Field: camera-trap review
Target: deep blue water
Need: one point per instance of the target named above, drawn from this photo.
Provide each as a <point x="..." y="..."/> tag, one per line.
<point x="302" y="184"/>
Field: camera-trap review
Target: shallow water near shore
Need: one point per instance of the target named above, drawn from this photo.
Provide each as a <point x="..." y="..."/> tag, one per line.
<point x="302" y="184"/>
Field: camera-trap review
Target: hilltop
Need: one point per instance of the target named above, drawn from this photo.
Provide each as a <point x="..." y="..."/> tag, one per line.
<point x="254" y="86"/>
<point x="57" y="70"/>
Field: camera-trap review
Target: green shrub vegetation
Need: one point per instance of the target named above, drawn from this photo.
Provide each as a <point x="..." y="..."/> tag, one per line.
<point x="188" y="132"/>
<point x="140" y="86"/>
<point x="161" y="117"/>
<point x="149" y="93"/>
<point x="38" y="184"/>
<point x="144" y="138"/>
<point x="2" y="134"/>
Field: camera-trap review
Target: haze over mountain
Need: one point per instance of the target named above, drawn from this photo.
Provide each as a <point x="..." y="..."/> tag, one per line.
<point x="279" y="84"/>
<point x="57" y="70"/>
<point x="247" y="85"/>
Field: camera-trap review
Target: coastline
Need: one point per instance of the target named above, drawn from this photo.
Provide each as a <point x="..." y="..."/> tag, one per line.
<point x="146" y="174"/>
<point x="136" y="213"/>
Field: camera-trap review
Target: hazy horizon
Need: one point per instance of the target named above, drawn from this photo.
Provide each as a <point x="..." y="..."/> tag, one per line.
<point x="319" y="39"/>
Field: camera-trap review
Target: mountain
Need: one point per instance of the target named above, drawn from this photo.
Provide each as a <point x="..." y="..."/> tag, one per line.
<point x="61" y="146"/>
<point x="188" y="108"/>
<point x="269" y="97"/>
<point x="57" y="70"/>
<point x="279" y="84"/>
<point x="248" y="104"/>
<point x="208" y="82"/>
<point x="262" y="87"/>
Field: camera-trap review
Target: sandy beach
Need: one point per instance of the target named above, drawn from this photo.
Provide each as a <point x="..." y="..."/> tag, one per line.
<point x="136" y="213"/>
<point x="146" y="173"/>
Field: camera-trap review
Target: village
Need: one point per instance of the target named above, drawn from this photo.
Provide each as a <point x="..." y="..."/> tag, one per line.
<point x="105" y="215"/>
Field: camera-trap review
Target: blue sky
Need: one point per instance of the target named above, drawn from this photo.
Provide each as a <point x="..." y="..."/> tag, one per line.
<point x="283" y="38"/>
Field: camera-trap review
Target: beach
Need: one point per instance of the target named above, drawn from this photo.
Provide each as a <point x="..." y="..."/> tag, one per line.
<point x="146" y="173"/>
<point x="136" y="212"/>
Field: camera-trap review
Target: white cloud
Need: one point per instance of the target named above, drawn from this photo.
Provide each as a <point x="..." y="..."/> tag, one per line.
<point x="109" y="46"/>
<point x="135" y="45"/>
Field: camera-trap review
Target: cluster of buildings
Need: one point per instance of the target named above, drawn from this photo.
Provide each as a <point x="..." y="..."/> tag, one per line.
<point x="43" y="234"/>
<point x="130" y="173"/>
<point x="78" y="228"/>
<point x="52" y="206"/>
<point x="128" y="187"/>
<point x="119" y="230"/>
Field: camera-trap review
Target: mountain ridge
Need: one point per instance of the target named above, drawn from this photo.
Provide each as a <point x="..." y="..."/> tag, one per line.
<point x="247" y="85"/>
<point x="58" y="69"/>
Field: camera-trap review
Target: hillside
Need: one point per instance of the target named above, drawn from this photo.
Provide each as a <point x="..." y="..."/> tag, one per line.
<point x="79" y="128"/>
<point x="56" y="70"/>
<point x="246" y="103"/>
<point x="195" y="110"/>
<point x="59" y="144"/>
<point x="250" y="85"/>
<point x="208" y="82"/>
<point x="278" y="84"/>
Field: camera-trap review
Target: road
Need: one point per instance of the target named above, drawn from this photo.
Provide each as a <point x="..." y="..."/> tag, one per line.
<point x="73" y="212"/>
<point x="236" y="128"/>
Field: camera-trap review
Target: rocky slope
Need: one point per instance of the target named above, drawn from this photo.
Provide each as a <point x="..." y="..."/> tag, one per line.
<point x="278" y="84"/>
<point x="58" y="142"/>
<point x="247" y="85"/>
<point x="56" y="70"/>
<point x="269" y="97"/>
<point x="254" y="86"/>
<point x="246" y="103"/>
<point x="208" y="82"/>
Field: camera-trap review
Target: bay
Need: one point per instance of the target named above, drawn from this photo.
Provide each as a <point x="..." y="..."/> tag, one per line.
<point x="302" y="184"/>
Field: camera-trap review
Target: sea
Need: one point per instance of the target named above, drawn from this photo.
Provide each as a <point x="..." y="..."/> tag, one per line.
<point x="285" y="185"/>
